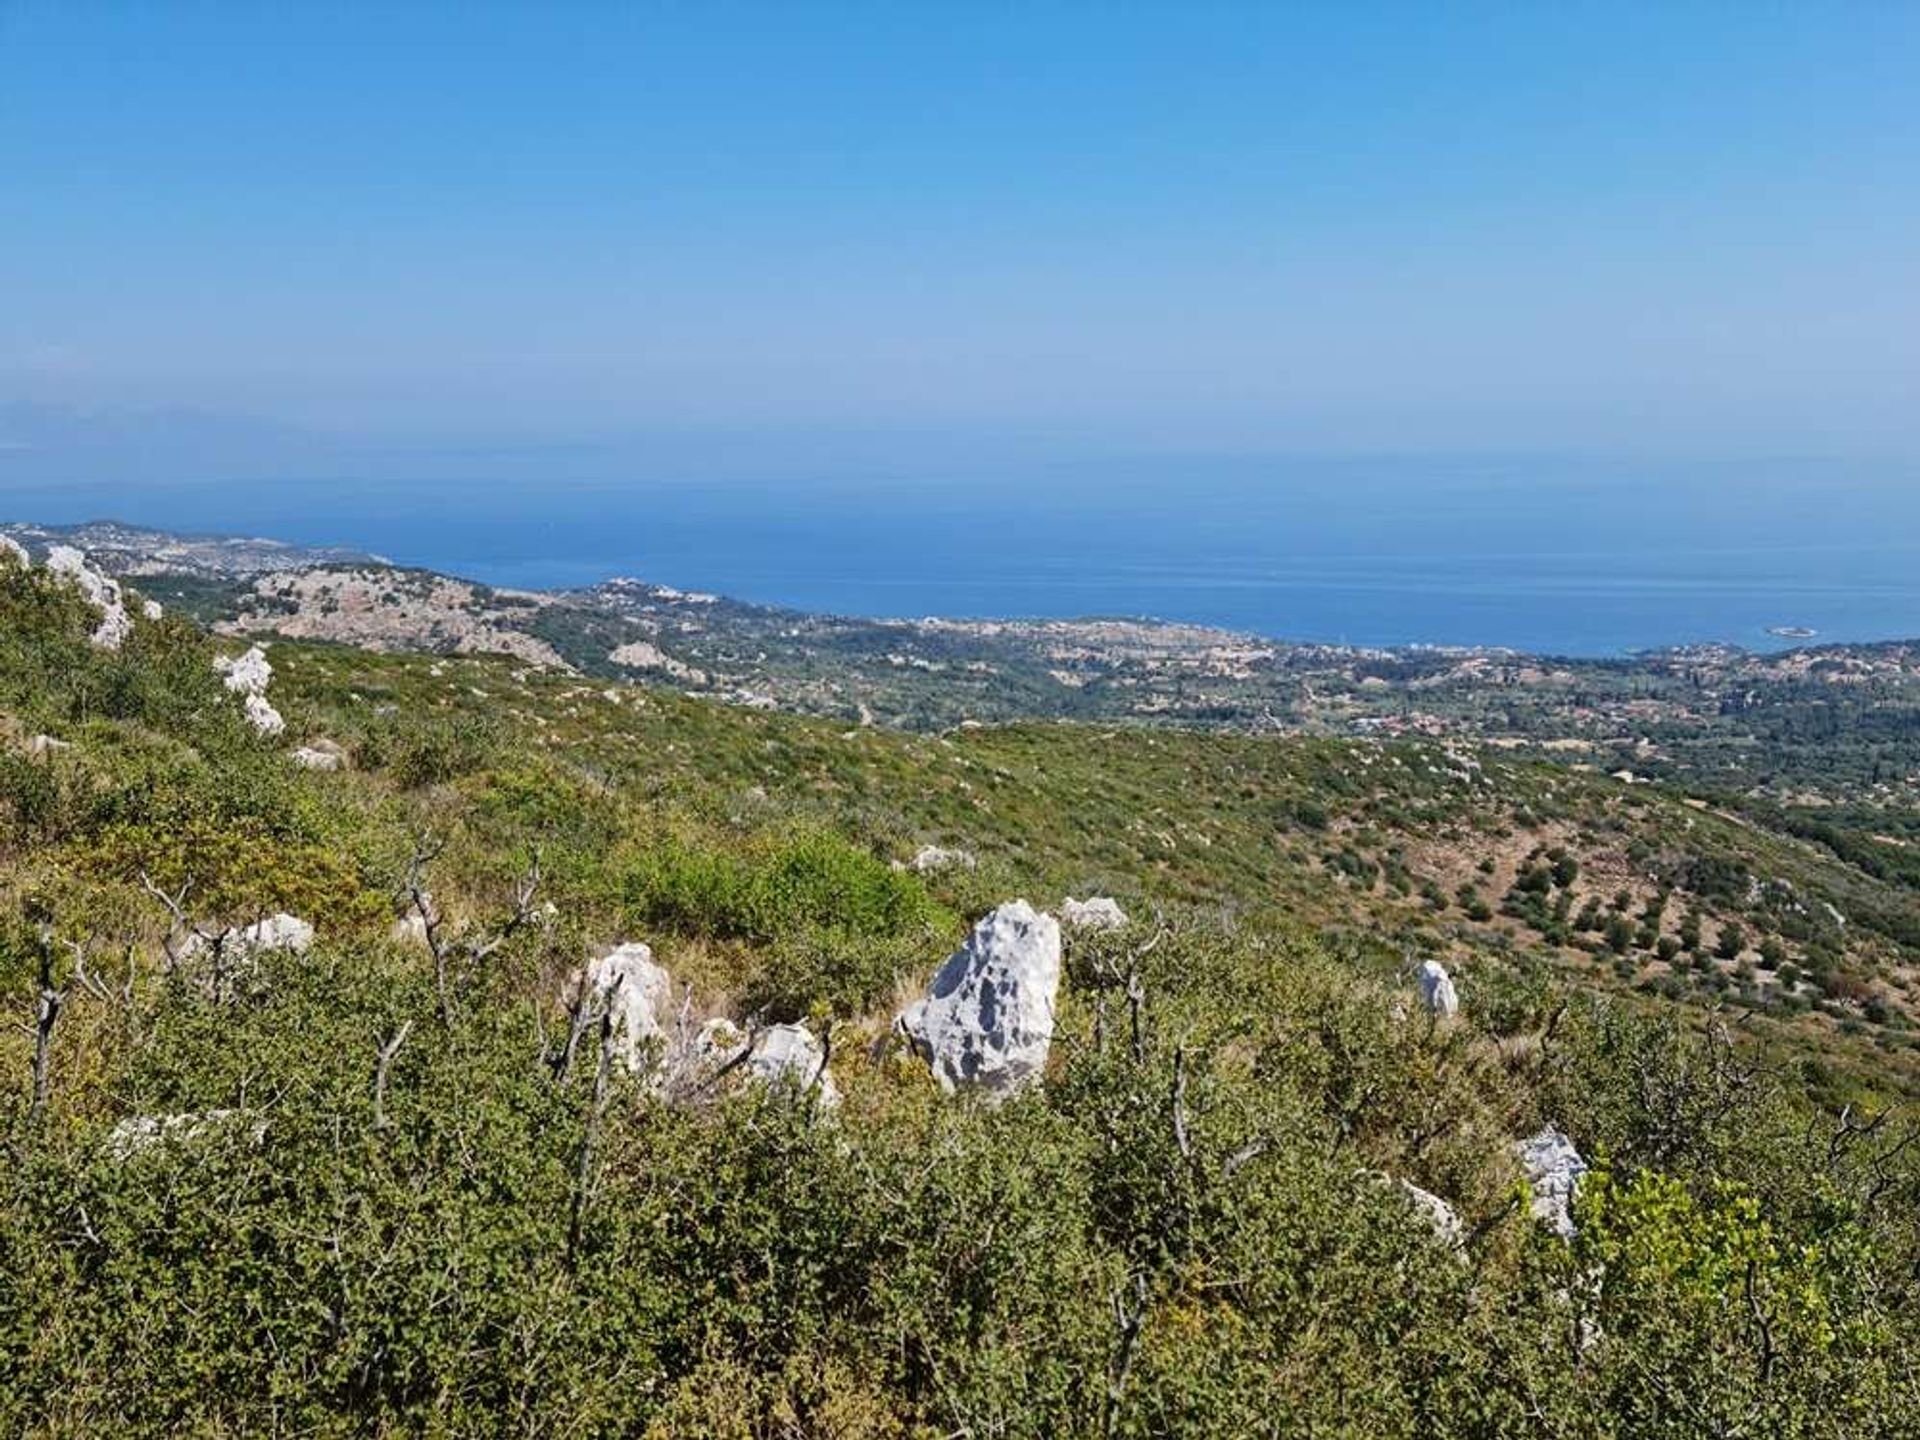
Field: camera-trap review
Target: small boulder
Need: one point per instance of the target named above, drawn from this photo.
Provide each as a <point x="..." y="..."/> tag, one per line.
<point x="637" y="993"/>
<point x="1437" y="992"/>
<point x="930" y="858"/>
<point x="263" y="717"/>
<point x="1436" y="1212"/>
<point x="151" y="609"/>
<point x="138" y="1134"/>
<point x="247" y="674"/>
<point x="1553" y="1168"/>
<point x="987" y="1020"/>
<point x="47" y="745"/>
<point x="320" y="755"/>
<point x="781" y="1054"/>
<point x="1095" y="913"/>
<point x="276" y="932"/>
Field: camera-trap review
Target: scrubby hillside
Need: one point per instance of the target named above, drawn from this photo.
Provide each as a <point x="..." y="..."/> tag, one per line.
<point x="398" y="1180"/>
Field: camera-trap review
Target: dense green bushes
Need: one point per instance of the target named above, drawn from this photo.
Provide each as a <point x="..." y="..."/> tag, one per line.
<point x="1188" y="1235"/>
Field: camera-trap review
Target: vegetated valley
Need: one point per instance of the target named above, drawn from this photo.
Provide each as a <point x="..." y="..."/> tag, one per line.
<point x="470" y="1042"/>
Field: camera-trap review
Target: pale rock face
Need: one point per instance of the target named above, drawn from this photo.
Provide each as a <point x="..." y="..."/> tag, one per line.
<point x="987" y="1021"/>
<point x="101" y="592"/>
<point x="781" y="1054"/>
<point x="1553" y="1169"/>
<point x="15" y="551"/>
<point x="322" y="755"/>
<point x="934" y="857"/>
<point x="263" y="717"/>
<point x="140" y="1133"/>
<point x="246" y="674"/>
<point x="1095" y="913"/>
<point x="276" y="932"/>
<point x="1437" y="992"/>
<point x="637" y="993"/>
<point x="1435" y="1211"/>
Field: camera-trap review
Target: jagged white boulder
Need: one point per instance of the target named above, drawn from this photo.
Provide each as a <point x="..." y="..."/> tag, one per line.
<point x="1553" y="1168"/>
<point x="277" y="932"/>
<point x="626" y="984"/>
<point x="779" y="1054"/>
<point x="930" y="858"/>
<point x="263" y="717"/>
<point x="987" y="1020"/>
<point x="151" y="609"/>
<point x="1094" y="913"/>
<point x="102" y="592"/>
<point x="1436" y="990"/>
<point x="247" y="674"/>
<point x="15" y="551"/>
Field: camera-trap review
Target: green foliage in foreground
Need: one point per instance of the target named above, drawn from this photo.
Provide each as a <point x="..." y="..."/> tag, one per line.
<point x="1193" y="1229"/>
<point x="914" y="1265"/>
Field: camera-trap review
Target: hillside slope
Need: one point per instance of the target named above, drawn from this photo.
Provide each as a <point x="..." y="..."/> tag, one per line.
<point x="379" y="1183"/>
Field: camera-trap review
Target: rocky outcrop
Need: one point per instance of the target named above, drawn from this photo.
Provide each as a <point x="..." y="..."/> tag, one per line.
<point x="320" y="755"/>
<point x="395" y="610"/>
<point x="13" y="550"/>
<point x="1095" y="913"/>
<point x="1437" y="992"/>
<point x="101" y="592"/>
<point x="139" y="1134"/>
<point x="986" y="1022"/>
<point x="1553" y="1168"/>
<point x="627" y="985"/>
<point x="930" y="858"/>
<point x="780" y="1055"/>
<point x="248" y="675"/>
<point x="1438" y="1214"/>
<point x="276" y="932"/>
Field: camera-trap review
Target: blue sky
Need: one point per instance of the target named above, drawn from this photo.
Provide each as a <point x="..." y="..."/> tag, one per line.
<point x="1689" y="229"/>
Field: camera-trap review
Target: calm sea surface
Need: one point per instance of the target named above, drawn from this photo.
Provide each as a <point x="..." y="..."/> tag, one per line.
<point x="1587" y="561"/>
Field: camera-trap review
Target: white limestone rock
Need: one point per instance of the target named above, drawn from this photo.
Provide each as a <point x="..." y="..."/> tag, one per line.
<point x="138" y="1134"/>
<point x="13" y="550"/>
<point x="1438" y="1214"/>
<point x="151" y="609"/>
<point x="247" y="674"/>
<point x="638" y="994"/>
<point x="47" y="745"/>
<point x="781" y="1054"/>
<point x="1553" y="1168"/>
<point x="1437" y="992"/>
<point x="930" y="858"/>
<point x="102" y="593"/>
<point x="1095" y="913"/>
<point x="321" y="755"/>
<point x="263" y="717"/>
<point x="987" y="1020"/>
<point x="277" y="932"/>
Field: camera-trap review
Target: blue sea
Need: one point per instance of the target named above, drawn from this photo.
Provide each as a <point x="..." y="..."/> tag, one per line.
<point x="1576" y="559"/>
